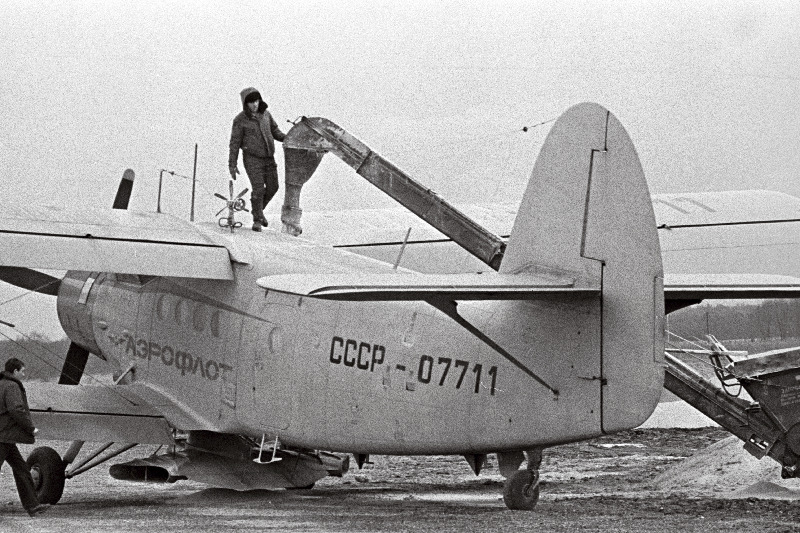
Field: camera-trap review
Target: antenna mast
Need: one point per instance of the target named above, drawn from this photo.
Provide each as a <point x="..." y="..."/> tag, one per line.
<point x="194" y="180"/>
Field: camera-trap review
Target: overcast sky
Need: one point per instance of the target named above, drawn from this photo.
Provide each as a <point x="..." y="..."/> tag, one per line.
<point x="709" y="91"/>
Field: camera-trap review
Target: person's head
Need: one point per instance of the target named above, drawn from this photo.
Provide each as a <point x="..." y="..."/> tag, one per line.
<point x="15" y="367"/>
<point x="252" y="101"/>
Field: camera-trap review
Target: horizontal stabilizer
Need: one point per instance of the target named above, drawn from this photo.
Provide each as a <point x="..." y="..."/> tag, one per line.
<point x="413" y="286"/>
<point x="94" y="413"/>
<point x="729" y="286"/>
<point x="111" y="240"/>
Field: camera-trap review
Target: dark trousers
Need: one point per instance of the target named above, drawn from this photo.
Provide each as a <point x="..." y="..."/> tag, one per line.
<point x="263" y="175"/>
<point x="22" y="474"/>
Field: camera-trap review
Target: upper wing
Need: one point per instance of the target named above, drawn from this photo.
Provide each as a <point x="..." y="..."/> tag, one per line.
<point x="375" y="227"/>
<point x="715" y="245"/>
<point x="731" y="232"/>
<point x="743" y="232"/>
<point x="729" y="286"/>
<point x="109" y="241"/>
<point x="724" y="208"/>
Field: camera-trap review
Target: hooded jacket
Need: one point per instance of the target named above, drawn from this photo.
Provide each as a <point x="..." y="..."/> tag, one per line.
<point x="15" y="417"/>
<point x="255" y="134"/>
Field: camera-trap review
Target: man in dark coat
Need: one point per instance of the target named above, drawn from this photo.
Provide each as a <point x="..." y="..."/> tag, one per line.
<point x="16" y="427"/>
<point x="255" y="132"/>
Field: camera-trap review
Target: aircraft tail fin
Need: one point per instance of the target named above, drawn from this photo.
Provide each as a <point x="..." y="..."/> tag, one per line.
<point x="587" y="201"/>
<point x="587" y="213"/>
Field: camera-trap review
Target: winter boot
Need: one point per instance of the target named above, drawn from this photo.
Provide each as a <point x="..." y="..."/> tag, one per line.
<point x="258" y="213"/>
<point x="264" y="202"/>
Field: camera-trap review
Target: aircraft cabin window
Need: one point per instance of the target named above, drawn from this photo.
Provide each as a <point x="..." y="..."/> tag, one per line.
<point x="199" y="317"/>
<point x="215" y="323"/>
<point x="275" y="340"/>
<point x="162" y="307"/>
<point x="181" y="313"/>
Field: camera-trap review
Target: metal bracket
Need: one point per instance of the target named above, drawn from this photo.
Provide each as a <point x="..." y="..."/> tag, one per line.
<point x="757" y="447"/>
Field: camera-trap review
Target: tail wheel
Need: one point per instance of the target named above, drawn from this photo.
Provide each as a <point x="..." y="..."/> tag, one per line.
<point x="521" y="490"/>
<point x="47" y="471"/>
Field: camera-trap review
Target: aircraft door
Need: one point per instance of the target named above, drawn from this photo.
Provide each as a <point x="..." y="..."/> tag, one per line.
<point x="268" y="352"/>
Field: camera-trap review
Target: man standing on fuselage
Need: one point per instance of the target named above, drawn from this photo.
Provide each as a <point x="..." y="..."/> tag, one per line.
<point x="255" y="132"/>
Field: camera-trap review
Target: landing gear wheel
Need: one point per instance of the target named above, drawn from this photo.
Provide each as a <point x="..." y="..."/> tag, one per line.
<point x="47" y="471"/>
<point x="521" y="490"/>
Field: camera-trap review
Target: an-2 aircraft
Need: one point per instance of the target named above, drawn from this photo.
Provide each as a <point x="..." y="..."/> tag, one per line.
<point x="249" y="354"/>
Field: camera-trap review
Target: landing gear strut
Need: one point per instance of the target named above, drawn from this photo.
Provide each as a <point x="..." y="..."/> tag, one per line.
<point x="521" y="490"/>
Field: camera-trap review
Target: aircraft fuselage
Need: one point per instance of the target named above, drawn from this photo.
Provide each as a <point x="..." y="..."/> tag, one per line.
<point x="369" y="377"/>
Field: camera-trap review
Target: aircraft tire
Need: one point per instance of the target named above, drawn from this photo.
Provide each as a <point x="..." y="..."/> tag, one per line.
<point x="47" y="470"/>
<point x="521" y="491"/>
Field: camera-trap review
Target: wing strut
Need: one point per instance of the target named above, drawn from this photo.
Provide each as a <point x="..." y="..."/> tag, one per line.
<point x="449" y="307"/>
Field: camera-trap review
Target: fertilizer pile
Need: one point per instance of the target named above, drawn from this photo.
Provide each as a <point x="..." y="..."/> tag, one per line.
<point x="677" y="414"/>
<point x="726" y="470"/>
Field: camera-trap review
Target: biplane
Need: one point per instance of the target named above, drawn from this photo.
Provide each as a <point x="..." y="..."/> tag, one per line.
<point x="265" y="360"/>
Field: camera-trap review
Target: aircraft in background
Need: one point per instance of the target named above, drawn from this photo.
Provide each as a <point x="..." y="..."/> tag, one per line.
<point x="249" y="354"/>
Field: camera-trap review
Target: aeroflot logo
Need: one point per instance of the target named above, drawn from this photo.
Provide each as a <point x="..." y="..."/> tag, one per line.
<point x="180" y="360"/>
